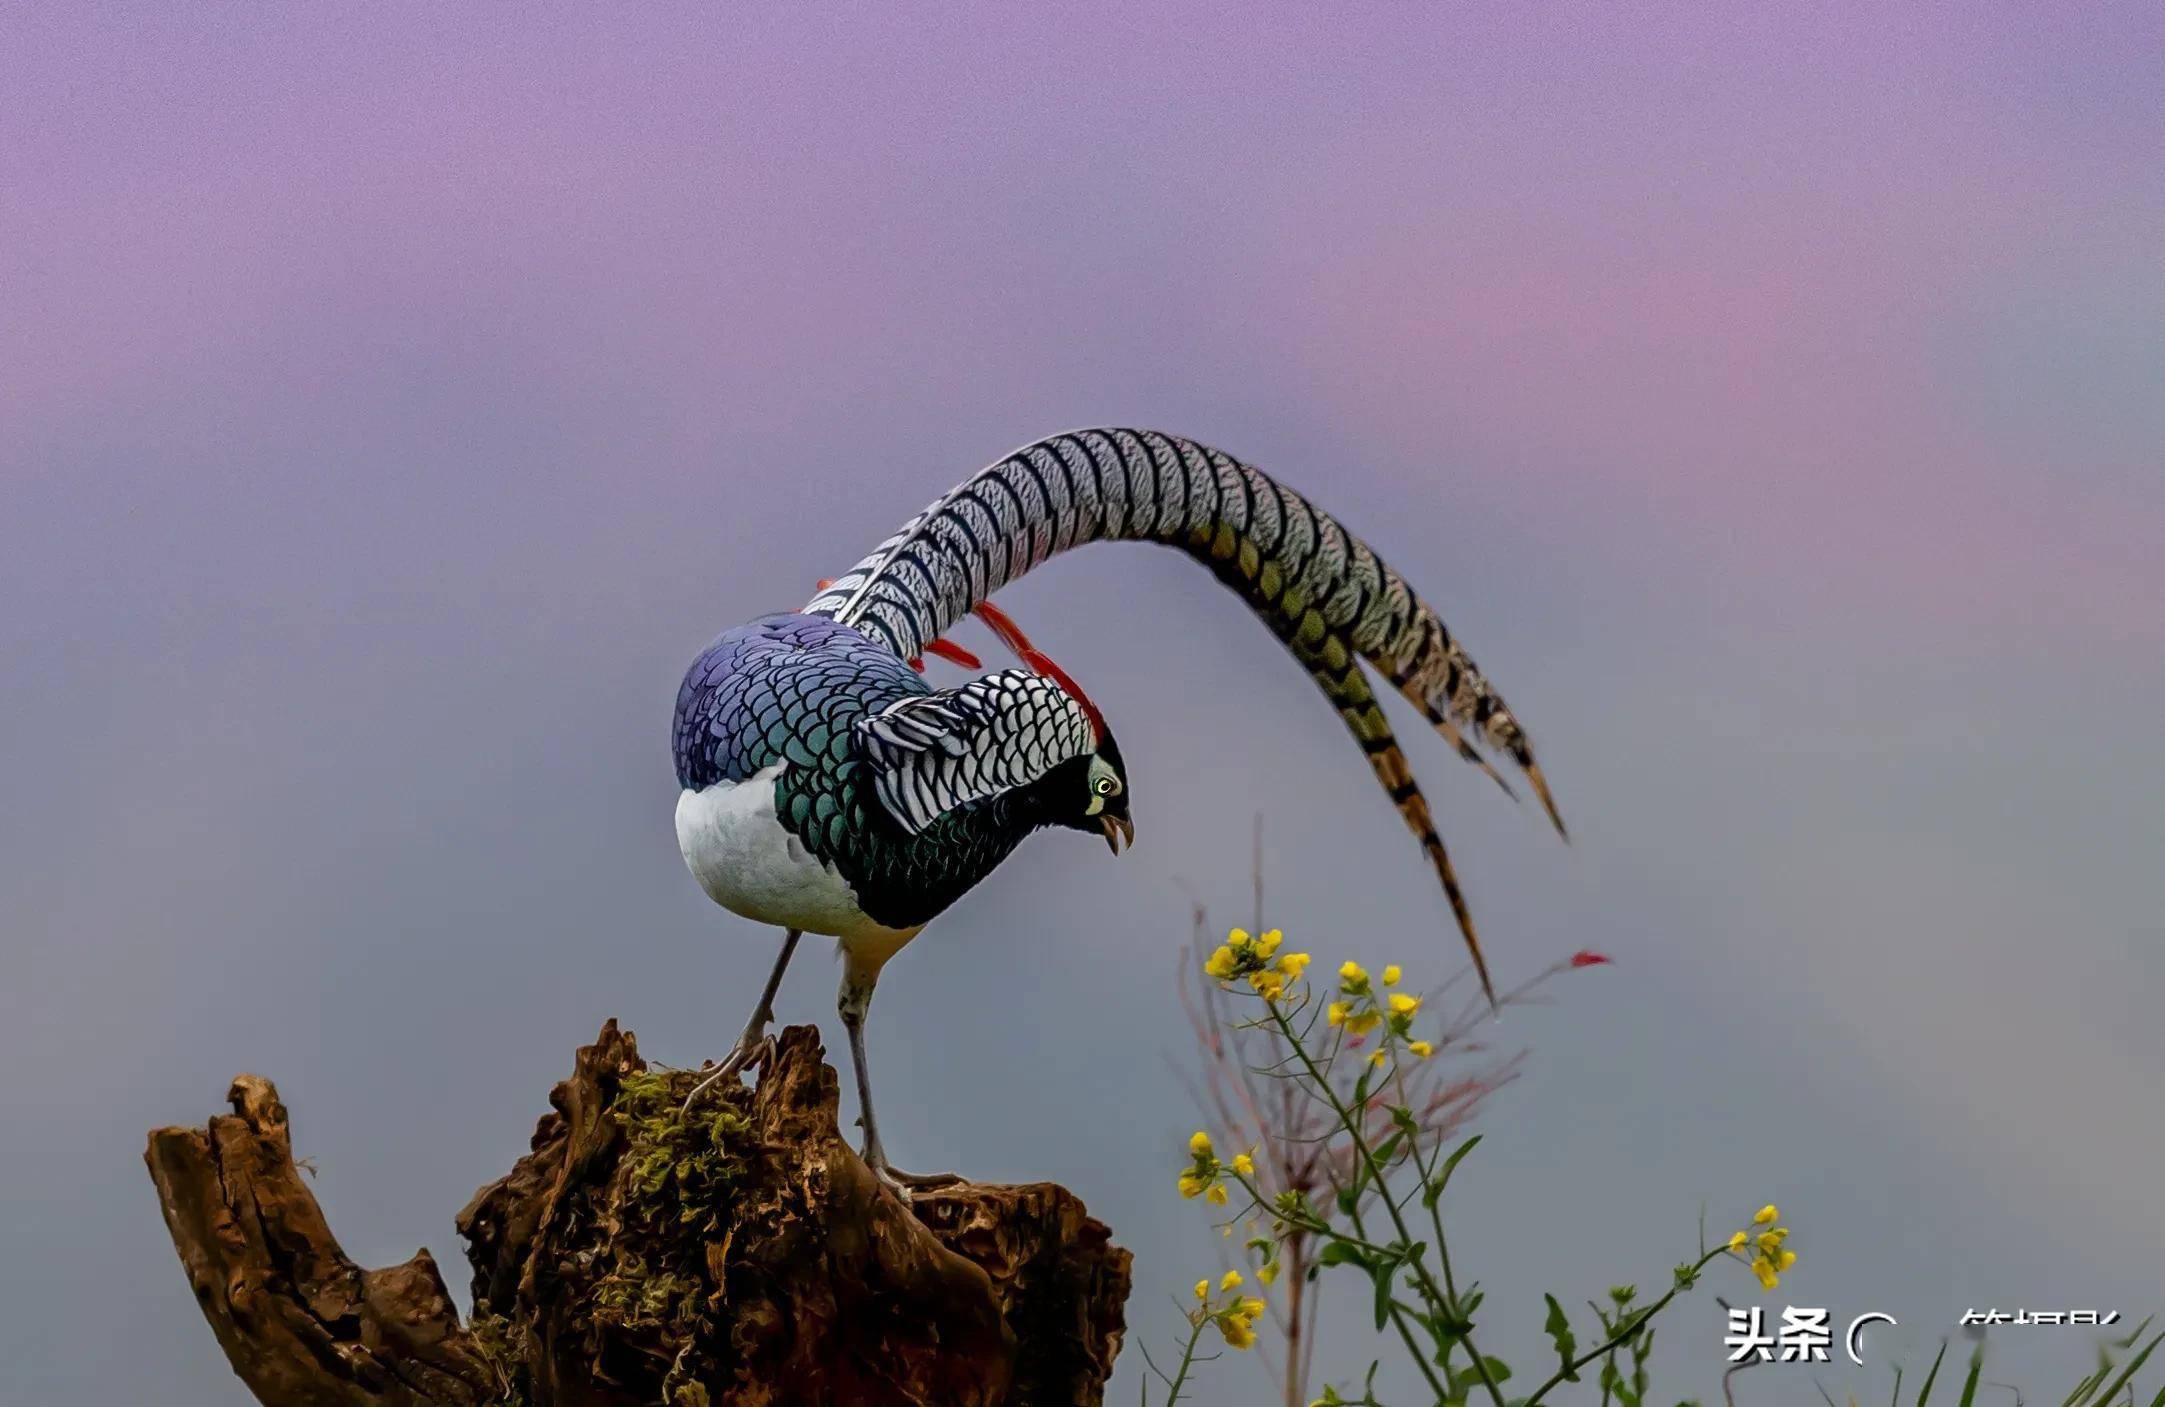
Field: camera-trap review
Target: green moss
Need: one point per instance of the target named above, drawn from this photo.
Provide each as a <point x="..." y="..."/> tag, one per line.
<point x="674" y="1192"/>
<point x="498" y="1342"/>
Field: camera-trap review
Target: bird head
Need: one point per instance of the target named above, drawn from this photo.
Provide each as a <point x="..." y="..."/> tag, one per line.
<point x="1108" y="803"/>
<point x="1090" y="793"/>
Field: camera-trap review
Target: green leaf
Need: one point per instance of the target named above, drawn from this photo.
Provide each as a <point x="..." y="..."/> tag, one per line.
<point x="1436" y="1184"/>
<point x="1466" y="1379"/>
<point x="1969" y="1384"/>
<point x="1925" y="1392"/>
<point x="2134" y="1365"/>
<point x="2088" y="1385"/>
<point x="1341" y="1253"/>
<point x="1559" y="1332"/>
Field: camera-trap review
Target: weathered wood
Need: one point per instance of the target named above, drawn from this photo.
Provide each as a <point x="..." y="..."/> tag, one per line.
<point x="742" y="1257"/>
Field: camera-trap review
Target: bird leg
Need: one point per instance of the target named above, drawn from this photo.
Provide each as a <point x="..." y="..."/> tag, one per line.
<point x="855" y="1003"/>
<point x="754" y="1039"/>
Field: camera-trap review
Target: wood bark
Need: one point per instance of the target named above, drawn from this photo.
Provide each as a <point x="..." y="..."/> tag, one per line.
<point x="741" y="1256"/>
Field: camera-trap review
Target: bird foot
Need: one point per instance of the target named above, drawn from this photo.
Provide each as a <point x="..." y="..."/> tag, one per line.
<point x="902" y="1184"/>
<point x="749" y="1049"/>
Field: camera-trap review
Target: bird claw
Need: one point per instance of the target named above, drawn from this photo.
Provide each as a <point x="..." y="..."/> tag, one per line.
<point x="904" y="1184"/>
<point x="901" y="1183"/>
<point x="749" y="1050"/>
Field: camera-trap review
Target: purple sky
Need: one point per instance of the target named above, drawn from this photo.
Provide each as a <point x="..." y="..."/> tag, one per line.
<point x="392" y="400"/>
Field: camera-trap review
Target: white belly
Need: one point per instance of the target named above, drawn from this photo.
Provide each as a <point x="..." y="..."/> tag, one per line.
<point x="749" y="864"/>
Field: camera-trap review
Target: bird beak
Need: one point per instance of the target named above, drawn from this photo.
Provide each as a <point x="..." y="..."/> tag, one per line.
<point x="1119" y="831"/>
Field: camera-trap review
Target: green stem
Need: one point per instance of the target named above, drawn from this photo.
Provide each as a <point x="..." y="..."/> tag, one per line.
<point x="1443" y="1255"/>
<point x="1187" y="1359"/>
<point x="1430" y="1290"/>
<point x="1632" y="1329"/>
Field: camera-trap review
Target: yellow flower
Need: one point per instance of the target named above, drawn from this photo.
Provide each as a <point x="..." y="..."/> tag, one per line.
<point x="1215" y="1195"/>
<point x="1199" y="1145"/>
<point x="1268" y="943"/>
<point x="1270" y="984"/>
<point x="1736" y="1242"/>
<point x="1267" y="1272"/>
<point x="1192" y="1186"/>
<point x="1391" y="975"/>
<point x="1404" y="1004"/>
<point x="1360" y="1023"/>
<point x="1353" y="976"/>
<point x="1376" y="1060"/>
<point x="1765" y="1271"/>
<point x="1202" y="1289"/>
<point x="1237" y="938"/>
<point x="1769" y="1243"/>
<point x="1237" y="1320"/>
<point x="1421" y="1049"/>
<point x="1785" y="1260"/>
<point x="1220" y="964"/>
<point x="1244" y="1165"/>
<point x="1337" y="1013"/>
<point x="1766" y="1215"/>
<point x="1293" y="965"/>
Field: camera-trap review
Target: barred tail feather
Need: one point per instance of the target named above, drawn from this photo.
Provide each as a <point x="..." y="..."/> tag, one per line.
<point x="1324" y="592"/>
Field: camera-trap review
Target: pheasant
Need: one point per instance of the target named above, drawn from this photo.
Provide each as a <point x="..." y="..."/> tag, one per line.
<point x="827" y="788"/>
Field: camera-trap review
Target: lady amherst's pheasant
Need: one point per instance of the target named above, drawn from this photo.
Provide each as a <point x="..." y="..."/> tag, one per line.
<point x="828" y="789"/>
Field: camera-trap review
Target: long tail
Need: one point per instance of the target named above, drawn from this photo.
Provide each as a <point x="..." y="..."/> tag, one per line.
<point x="1322" y="591"/>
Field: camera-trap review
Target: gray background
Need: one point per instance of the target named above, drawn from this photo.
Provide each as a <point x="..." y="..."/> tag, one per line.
<point x="395" y="400"/>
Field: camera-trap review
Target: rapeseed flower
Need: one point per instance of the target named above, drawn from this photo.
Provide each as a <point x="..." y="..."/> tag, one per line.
<point x="1764" y="1252"/>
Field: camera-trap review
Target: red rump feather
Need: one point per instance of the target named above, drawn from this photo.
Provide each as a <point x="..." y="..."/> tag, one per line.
<point x="1011" y="636"/>
<point x="954" y="654"/>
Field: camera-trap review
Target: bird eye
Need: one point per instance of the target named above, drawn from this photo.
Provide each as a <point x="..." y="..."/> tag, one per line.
<point x="1105" y="786"/>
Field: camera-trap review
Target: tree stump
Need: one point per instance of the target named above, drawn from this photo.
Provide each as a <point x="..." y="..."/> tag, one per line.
<point x="741" y="1256"/>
